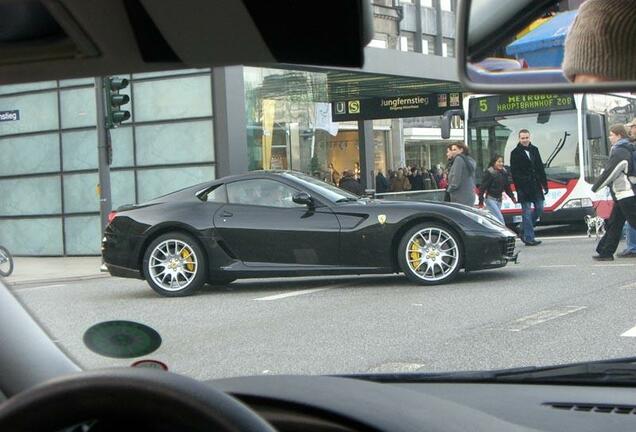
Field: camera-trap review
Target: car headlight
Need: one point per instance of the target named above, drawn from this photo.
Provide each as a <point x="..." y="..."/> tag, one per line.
<point x="578" y="203"/>
<point x="485" y="220"/>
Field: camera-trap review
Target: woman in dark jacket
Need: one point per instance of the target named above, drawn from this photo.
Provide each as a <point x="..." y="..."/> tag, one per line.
<point x="494" y="183"/>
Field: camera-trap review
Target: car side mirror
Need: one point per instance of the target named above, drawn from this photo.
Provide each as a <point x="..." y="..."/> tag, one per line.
<point x="303" y="198"/>
<point x="446" y="121"/>
<point x="595" y="126"/>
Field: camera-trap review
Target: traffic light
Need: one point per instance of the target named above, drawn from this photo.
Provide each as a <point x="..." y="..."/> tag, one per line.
<point x="114" y="114"/>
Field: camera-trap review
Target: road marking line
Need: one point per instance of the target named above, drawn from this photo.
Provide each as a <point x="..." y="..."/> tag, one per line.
<point x="613" y="265"/>
<point x="628" y="286"/>
<point x="558" y="266"/>
<point x="630" y="333"/>
<point x="542" y="316"/>
<point x="38" y="287"/>
<point x="290" y="294"/>
<point x="563" y="237"/>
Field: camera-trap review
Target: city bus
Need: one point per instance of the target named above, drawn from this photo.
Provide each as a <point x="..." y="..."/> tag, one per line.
<point x="571" y="132"/>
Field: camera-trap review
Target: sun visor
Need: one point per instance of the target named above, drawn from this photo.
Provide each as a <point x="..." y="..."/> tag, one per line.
<point x="56" y="39"/>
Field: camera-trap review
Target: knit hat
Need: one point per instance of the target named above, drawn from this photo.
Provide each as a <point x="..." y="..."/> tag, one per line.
<point x="601" y="41"/>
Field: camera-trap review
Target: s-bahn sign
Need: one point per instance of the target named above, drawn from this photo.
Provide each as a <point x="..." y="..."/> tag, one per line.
<point x="395" y="107"/>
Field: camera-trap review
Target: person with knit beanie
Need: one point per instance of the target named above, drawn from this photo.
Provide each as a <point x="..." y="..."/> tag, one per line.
<point x="600" y="45"/>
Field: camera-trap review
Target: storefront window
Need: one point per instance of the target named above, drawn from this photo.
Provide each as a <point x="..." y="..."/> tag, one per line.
<point x="282" y="108"/>
<point x="426" y="154"/>
<point x="289" y="125"/>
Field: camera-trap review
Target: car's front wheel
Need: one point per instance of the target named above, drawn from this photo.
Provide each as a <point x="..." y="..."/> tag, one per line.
<point x="174" y="265"/>
<point x="220" y="281"/>
<point x="430" y="254"/>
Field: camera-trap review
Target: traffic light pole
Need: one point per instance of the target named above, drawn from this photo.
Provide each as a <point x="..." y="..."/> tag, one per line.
<point x="103" y="138"/>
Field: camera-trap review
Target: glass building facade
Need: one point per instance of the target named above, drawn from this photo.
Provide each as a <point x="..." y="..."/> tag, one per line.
<point x="284" y="130"/>
<point x="49" y="165"/>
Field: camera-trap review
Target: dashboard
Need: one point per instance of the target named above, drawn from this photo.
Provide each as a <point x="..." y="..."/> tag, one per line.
<point x="314" y="403"/>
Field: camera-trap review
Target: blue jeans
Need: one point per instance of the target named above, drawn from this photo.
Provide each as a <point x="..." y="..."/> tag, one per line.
<point x="494" y="207"/>
<point x="630" y="236"/>
<point x="529" y="218"/>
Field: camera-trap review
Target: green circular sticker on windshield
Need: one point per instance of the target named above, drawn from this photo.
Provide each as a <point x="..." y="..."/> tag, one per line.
<point x="122" y="339"/>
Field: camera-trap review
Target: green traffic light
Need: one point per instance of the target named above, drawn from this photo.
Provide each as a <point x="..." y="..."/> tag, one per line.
<point x="114" y="101"/>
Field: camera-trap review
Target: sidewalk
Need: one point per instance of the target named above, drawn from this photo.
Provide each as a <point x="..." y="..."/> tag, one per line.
<point x="29" y="270"/>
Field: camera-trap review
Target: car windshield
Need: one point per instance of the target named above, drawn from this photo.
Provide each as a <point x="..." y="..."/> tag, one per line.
<point x="252" y="277"/>
<point x="555" y="134"/>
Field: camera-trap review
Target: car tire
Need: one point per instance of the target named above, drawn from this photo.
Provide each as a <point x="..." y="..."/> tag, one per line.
<point x="174" y="265"/>
<point x="430" y="254"/>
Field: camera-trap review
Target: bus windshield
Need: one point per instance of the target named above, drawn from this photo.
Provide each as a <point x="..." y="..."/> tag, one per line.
<point x="554" y="133"/>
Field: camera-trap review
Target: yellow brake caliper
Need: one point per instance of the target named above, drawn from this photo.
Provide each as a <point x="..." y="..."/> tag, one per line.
<point x="415" y="254"/>
<point x="187" y="256"/>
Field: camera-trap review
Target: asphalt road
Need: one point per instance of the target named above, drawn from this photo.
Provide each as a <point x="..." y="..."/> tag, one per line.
<point x="557" y="305"/>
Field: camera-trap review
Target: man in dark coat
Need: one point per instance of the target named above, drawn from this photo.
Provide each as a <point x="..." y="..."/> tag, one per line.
<point x="381" y="183"/>
<point x="531" y="184"/>
<point x="349" y="183"/>
<point x="416" y="179"/>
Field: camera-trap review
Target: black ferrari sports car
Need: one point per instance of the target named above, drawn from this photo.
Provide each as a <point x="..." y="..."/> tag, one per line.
<point x="283" y="223"/>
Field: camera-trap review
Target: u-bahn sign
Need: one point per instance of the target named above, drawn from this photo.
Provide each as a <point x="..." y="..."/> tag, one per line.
<point x="395" y="107"/>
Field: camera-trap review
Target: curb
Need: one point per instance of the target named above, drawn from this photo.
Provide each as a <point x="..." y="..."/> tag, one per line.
<point x="55" y="280"/>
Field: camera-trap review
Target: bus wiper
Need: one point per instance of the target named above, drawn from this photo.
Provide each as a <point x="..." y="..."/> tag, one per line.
<point x="557" y="150"/>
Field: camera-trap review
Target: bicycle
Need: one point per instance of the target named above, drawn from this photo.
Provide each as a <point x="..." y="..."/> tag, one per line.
<point x="6" y="262"/>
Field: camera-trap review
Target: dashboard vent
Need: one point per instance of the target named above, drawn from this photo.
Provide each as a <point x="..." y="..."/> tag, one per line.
<point x="594" y="408"/>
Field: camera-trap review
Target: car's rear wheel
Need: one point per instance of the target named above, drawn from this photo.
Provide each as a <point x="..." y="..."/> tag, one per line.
<point x="430" y="254"/>
<point x="174" y="265"/>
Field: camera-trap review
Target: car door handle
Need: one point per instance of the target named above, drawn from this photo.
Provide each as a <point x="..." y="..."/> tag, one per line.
<point x="227" y="214"/>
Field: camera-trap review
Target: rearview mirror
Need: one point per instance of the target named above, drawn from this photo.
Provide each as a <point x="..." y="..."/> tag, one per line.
<point x="546" y="46"/>
<point x="595" y="126"/>
<point x="303" y="198"/>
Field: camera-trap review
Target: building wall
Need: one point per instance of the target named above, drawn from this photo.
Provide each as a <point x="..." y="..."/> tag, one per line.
<point x="48" y="168"/>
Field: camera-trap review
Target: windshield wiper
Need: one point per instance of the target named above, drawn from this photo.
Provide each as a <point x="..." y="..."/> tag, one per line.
<point x="604" y="372"/>
<point x="347" y="199"/>
<point x="557" y="149"/>
<point x="614" y="371"/>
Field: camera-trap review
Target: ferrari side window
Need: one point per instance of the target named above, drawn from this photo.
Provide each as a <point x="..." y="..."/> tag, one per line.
<point x="268" y="193"/>
<point x="217" y="195"/>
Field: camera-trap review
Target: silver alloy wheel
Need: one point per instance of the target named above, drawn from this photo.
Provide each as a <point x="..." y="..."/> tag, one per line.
<point x="432" y="254"/>
<point x="173" y="265"/>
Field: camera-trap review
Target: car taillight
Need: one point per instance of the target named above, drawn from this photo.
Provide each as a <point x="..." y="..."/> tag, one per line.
<point x="111" y="216"/>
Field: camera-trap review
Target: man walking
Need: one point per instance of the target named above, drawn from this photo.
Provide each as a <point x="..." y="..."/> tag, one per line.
<point x="349" y="183"/>
<point x="616" y="175"/>
<point x="531" y="184"/>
